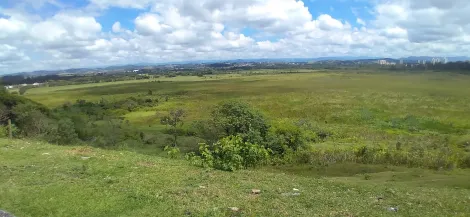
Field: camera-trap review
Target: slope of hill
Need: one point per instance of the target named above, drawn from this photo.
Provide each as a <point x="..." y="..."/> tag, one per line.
<point x="39" y="179"/>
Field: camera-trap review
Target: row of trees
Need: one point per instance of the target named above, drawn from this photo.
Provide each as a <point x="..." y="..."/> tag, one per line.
<point x="97" y="123"/>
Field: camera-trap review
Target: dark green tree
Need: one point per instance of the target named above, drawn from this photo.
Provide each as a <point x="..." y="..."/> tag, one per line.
<point x="66" y="133"/>
<point x="175" y="121"/>
<point x="238" y="118"/>
<point x="23" y="89"/>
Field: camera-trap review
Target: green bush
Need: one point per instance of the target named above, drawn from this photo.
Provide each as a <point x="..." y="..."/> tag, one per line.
<point x="3" y="131"/>
<point x="172" y="152"/>
<point x="237" y="118"/>
<point x="207" y="130"/>
<point x="231" y="153"/>
<point x="66" y="133"/>
<point x="284" y="135"/>
<point x="32" y="122"/>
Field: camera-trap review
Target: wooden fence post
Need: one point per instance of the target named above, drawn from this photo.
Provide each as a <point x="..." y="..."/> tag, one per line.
<point x="10" y="134"/>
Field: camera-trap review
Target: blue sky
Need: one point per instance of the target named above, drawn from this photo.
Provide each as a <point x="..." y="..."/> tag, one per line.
<point x="55" y="34"/>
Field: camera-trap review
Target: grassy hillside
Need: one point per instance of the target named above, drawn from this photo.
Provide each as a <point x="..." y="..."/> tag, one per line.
<point x="39" y="179"/>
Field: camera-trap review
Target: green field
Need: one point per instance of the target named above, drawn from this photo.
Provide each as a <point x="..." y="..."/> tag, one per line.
<point x="382" y="131"/>
<point x="377" y="108"/>
<point x="38" y="179"/>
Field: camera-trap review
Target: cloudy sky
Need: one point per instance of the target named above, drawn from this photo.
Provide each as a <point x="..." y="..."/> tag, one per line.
<point x="58" y="34"/>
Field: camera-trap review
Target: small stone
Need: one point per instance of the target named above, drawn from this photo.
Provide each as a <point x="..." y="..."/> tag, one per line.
<point x="202" y="186"/>
<point x="291" y="194"/>
<point x="85" y="158"/>
<point x="295" y="189"/>
<point x="255" y="191"/>
<point x="5" y="214"/>
<point x="234" y="209"/>
<point x="393" y="209"/>
<point x="46" y="154"/>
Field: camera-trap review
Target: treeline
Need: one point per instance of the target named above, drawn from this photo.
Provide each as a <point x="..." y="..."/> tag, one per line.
<point x="462" y="67"/>
<point x="94" y="123"/>
<point x="21" y="79"/>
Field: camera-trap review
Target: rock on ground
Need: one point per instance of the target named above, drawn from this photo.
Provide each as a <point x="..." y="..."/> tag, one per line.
<point x="5" y="214"/>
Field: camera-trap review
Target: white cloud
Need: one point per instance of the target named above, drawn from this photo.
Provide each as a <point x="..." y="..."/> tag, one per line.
<point x="139" y="4"/>
<point x="172" y="30"/>
<point x="360" y="21"/>
<point x="149" y="24"/>
<point x="11" y="54"/>
<point x="326" y="22"/>
<point x="116" y="27"/>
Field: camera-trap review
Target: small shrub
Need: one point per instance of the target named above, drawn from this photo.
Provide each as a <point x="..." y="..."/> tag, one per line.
<point x="285" y="135"/>
<point x="172" y="152"/>
<point x="232" y="153"/>
<point x="3" y="131"/>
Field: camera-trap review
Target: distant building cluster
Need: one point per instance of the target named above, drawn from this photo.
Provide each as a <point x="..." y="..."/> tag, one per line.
<point x="444" y="60"/>
<point x="23" y="85"/>
<point x="385" y="62"/>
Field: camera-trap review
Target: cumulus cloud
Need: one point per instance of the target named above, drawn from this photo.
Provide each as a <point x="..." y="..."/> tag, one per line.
<point x="426" y="20"/>
<point x="173" y="30"/>
<point x="11" y="54"/>
<point x="116" y="27"/>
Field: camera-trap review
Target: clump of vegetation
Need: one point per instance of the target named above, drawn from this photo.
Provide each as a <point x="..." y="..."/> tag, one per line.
<point x="174" y="120"/>
<point x="285" y="136"/>
<point x="231" y="153"/>
<point x="244" y="138"/>
<point x="238" y="118"/>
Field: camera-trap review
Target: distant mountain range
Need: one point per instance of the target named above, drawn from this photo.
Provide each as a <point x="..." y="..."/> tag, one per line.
<point x="263" y="60"/>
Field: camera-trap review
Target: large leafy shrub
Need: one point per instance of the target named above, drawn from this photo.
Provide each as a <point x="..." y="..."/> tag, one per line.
<point x="237" y="118"/>
<point x="232" y="153"/>
<point x="66" y="133"/>
<point x="286" y="136"/>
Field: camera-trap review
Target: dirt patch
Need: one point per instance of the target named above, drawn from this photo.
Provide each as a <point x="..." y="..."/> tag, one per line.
<point x="80" y="151"/>
<point x="145" y="164"/>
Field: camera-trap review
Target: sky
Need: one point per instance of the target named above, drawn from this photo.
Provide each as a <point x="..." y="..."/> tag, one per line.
<point x="60" y="34"/>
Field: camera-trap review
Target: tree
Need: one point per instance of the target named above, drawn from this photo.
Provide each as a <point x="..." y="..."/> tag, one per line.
<point x="31" y="121"/>
<point x="174" y="120"/>
<point x="4" y="113"/>
<point x="66" y="133"/>
<point x="237" y="118"/>
<point x="23" y="89"/>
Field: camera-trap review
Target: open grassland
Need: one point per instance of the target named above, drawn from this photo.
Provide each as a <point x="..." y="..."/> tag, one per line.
<point x="38" y="179"/>
<point x="426" y="110"/>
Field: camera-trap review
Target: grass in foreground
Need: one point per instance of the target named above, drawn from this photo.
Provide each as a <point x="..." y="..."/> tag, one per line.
<point x="45" y="180"/>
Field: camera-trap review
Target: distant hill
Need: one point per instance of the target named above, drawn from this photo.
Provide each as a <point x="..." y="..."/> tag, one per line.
<point x="218" y="62"/>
